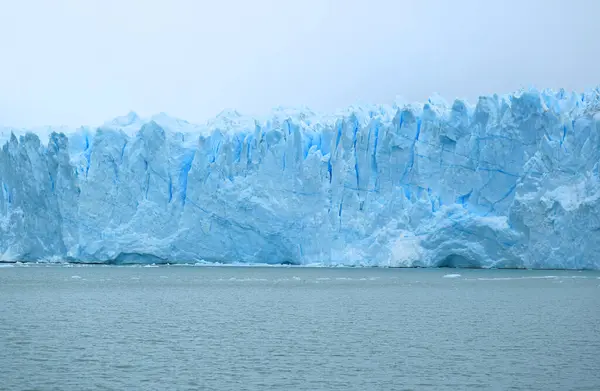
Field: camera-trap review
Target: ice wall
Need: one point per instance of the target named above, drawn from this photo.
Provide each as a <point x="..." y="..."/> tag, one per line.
<point x="512" y="182"/>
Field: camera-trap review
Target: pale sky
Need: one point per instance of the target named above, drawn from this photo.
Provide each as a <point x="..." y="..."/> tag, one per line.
<point x="74" y="62"/>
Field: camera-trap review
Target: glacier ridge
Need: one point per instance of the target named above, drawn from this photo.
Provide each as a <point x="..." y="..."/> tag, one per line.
<point x="511" y="182"/>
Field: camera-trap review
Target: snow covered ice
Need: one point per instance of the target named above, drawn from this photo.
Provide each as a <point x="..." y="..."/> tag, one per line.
<point x="513" y="181"/>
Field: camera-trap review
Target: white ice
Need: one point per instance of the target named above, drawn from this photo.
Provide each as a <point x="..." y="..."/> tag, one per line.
<point x="513" y="181"/>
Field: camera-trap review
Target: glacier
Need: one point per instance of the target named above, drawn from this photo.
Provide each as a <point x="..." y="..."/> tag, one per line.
<point x="510" y="182"/>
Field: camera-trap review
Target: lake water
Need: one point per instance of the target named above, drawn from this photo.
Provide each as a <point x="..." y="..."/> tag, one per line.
<point x="265" y="328"/>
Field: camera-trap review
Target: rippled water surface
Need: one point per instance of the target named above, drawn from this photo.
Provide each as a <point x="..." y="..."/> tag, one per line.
<point x="234" y="328"/>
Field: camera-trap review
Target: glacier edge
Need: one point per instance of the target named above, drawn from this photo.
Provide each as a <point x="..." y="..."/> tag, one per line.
<point x="511" y="182"/>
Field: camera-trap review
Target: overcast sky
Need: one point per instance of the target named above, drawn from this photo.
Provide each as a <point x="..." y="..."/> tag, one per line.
<point x="77" y="62"/>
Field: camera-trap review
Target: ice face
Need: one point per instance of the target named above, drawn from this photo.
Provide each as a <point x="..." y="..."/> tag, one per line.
<point x="512" y="182"/>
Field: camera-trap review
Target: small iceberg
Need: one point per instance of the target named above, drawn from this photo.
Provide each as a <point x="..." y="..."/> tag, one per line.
<point x="451" y="275"/>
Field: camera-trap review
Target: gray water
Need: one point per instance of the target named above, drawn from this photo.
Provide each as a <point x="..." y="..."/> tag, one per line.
<point x="234" y="328"/>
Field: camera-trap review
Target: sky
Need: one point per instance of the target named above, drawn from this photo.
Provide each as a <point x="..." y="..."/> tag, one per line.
<point x="82" y="62"/>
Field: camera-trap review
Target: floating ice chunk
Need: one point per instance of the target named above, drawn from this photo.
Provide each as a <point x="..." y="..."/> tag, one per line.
<point x="451" y="276"/>
<point x="518" y="278"/>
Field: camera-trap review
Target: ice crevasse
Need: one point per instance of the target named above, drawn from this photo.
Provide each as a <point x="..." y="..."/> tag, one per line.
<point x="513" y="181"/>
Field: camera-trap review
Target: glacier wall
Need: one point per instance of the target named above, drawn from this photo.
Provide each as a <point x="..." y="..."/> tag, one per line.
<point x="513" y="181"/>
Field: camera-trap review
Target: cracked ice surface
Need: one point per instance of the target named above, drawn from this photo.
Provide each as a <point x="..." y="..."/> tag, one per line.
<point x="513" y="181"/>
